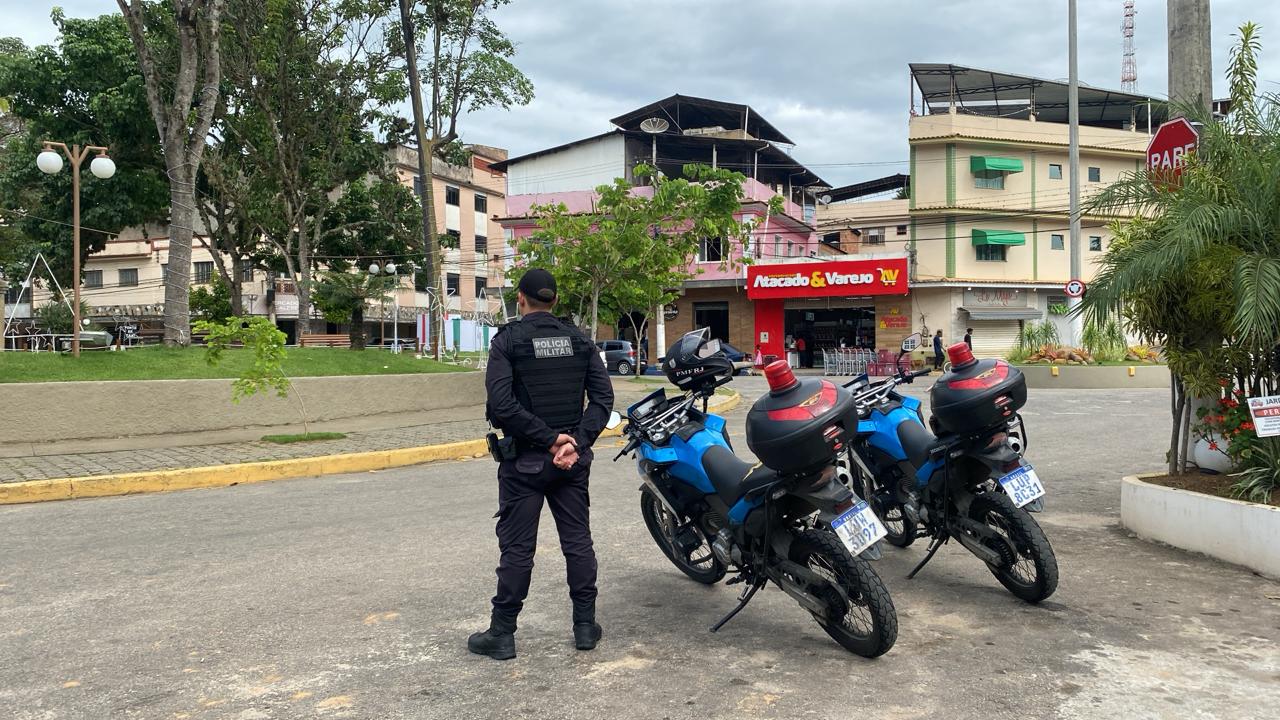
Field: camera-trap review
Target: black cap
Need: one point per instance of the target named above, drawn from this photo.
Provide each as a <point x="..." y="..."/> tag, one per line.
<point x="538" y="284"/>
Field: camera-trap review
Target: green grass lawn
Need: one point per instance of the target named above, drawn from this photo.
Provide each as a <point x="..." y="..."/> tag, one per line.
<point x="162" y="363"/>
<point x="303" y="437"/>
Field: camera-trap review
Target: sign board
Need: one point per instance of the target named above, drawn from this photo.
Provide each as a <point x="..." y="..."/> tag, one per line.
<point x="1074" y="288"/>
<point x="995" y="298"/>
<point x="1266" y="415"/>
<point x="838" y="278"/>
<point x="424" y="332"/>
<point x="1169" y="147"/>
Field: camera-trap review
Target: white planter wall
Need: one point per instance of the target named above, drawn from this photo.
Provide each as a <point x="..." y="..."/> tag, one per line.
<point x="1240" y="533"/>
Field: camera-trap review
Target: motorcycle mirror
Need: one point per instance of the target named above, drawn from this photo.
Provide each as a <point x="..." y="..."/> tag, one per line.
<point x="911" y="342"/>
<point x="614" y="420"/>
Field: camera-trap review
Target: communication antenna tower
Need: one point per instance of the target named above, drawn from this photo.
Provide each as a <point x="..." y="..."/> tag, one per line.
<point x="1128" y="62"/>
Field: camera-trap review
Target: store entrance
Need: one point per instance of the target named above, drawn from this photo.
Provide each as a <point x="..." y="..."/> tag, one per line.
<point x="828" y="329"/>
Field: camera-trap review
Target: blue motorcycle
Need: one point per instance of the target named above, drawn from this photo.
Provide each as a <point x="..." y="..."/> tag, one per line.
<point x="966" y="479"/>
<point x="784" y="520"/>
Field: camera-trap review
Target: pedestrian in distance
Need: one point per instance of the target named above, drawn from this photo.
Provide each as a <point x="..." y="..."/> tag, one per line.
<point x="937" y="351"/>
<point x="968" y="338"/>
<point x="540" y="368"/>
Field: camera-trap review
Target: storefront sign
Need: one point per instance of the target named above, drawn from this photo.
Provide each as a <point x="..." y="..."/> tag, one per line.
<point x="841" y="278"/>
<point x="894" y="322"/>
<point x="1266" y="415"/>
<point x="995" y="298"/>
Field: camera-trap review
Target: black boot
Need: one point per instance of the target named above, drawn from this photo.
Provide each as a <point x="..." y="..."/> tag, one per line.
<point x="497" y="644"/>
<point x="586" y="635"/>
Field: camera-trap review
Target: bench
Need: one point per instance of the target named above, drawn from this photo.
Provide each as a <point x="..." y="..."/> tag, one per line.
<point x="318" y="340"/>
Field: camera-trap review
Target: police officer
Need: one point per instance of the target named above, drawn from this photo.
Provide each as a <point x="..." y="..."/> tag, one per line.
<point x="540" y="367"/>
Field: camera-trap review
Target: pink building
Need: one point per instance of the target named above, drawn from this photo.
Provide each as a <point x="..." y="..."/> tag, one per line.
<point x="671" y="133"/>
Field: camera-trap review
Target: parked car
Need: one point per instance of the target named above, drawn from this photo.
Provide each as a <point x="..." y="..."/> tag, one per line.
<point x="620" y="356"/>
<point x="742" y="362"/>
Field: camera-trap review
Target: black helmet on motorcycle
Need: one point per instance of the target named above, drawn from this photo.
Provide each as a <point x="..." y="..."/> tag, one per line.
<point x="696" y="361"/>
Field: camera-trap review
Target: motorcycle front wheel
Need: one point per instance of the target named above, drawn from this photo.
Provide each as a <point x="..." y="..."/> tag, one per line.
<point x="1033" y="574"/>
<point x="860" y="614"/>
<point x="700" y="562"/>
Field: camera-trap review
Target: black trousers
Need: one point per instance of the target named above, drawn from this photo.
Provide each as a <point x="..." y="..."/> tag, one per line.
<point x="523" y="484"/>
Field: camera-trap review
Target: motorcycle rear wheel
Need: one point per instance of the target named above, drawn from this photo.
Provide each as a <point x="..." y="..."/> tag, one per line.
<point x="867" y="624"/>
<point x="901" y="529"/>
<point x="1033" y="574"/>
<point x="700" y="563"/>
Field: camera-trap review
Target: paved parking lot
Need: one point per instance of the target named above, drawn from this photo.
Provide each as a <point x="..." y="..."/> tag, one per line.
<point x="351" y="596"/>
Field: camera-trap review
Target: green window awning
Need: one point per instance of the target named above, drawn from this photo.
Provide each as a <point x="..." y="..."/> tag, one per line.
<point x="980" y="163"/>
<point x="997" y="237"/>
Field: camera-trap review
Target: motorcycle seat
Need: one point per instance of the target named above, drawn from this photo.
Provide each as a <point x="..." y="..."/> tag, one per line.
<point x="733" y="478"/>
<point x="917" y="441"/>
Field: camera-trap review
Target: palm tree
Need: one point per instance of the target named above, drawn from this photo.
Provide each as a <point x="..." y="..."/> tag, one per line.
<point x="1199" y="270"/>
<point x="343" y="296"/>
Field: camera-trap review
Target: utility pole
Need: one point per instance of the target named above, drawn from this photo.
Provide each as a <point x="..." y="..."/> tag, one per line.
<point x="1190" y="53"/>
<point x="1073" y="166"/>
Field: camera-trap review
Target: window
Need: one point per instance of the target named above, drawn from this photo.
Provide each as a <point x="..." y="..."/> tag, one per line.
<point x="93" y="278"/>
<point x="453" y="239"/>
<point x="164" y="273"/>
<point x="417" y="185"/>
<point x="777" y="246"/>
<point x="832" y="239"/>
<point x="1056" y="242"/>
<point x="204" y="272"/>
<point x="989" y="179"/>
<point x="481" y="285"/>
<point x="128" y="277"/>
<point x="482" y="203"/>
<point x="1095" y="243"/>
<point x="1055" y="172"/>
<point x="14" y="294"/>
<point x="791" y="249"/>
<point x="712" y="315"/>
<point x="902" y="229"/>
<point x="711" y="250"/>
<point x="451" y="283"/>
<point x="246" y="273"/>
<point x="991" y="253"/>
<point x="452" y="195"/>
<point x="482" y="244"/>
<point x="873" y="236"/>
<point x="1095" y="174"/>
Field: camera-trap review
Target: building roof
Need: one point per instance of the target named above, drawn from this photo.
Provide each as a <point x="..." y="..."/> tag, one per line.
<point x="998" y="94"/>
<point x="684" y="113"/>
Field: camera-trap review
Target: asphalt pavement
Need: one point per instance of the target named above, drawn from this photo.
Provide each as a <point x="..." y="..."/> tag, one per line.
<point x="351" y="596"/>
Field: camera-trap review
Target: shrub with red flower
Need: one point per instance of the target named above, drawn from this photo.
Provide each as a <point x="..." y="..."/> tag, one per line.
<point x="1227" y="422"/>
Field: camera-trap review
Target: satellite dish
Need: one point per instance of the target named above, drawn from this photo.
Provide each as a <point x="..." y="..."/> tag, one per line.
<point x="825" y="199"/>
<point x="654" y="125"/>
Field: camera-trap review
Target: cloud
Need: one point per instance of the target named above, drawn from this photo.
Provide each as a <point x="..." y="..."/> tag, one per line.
<point x="831" y="74"/>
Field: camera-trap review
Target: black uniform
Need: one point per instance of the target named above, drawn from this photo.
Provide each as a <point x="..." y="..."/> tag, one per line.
<point x="539" y="369"/>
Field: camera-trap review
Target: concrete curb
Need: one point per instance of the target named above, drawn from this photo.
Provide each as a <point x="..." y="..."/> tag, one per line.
<point x="1235" y="531"/>
<point x="255" y="472"/>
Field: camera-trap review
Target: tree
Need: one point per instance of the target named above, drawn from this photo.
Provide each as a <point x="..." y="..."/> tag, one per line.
<point x="1199" y="269"/>
<point x="214" y="303"/>
<point x="633" y="250"/>
<point x="86" y="89"/>
<point x="176" y="50"/>
<point x="310" y="80"/>
<point x="468" y="68"/>
<point x="343" y="297"/>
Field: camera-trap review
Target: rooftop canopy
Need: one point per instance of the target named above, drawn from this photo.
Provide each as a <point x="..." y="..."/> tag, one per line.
<point x="684" y="113"/>
<point x="996" y="94"/>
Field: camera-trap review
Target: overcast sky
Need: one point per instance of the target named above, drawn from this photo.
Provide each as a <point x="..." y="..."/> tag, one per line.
<point x="830" y="74"/>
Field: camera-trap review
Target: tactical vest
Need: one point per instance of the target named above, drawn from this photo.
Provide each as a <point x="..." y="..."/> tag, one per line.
<point x="549" y="359"/>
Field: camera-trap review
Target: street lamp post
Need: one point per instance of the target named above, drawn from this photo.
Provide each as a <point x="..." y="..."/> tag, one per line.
<point x="50" y="163"/>
<point x="390" y="269"/>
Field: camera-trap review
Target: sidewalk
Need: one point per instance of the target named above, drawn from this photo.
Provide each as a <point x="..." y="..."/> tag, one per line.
<point x="148" y="459"/>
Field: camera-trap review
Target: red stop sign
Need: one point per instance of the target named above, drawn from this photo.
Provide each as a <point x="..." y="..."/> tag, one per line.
<point x="1169" y="147"/>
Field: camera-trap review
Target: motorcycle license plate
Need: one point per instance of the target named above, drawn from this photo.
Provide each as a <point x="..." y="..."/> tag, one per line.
<point x="858" y="527"/>
<point x="1022" y="485"/>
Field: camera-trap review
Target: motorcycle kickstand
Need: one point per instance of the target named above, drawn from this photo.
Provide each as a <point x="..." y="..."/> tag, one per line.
<point x="933" y="548"/>
<point x="743" y="599"/>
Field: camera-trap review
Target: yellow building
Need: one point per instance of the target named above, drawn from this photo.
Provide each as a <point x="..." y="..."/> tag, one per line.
<point x="123" y="284"/>
<point x="985" y="221"/>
